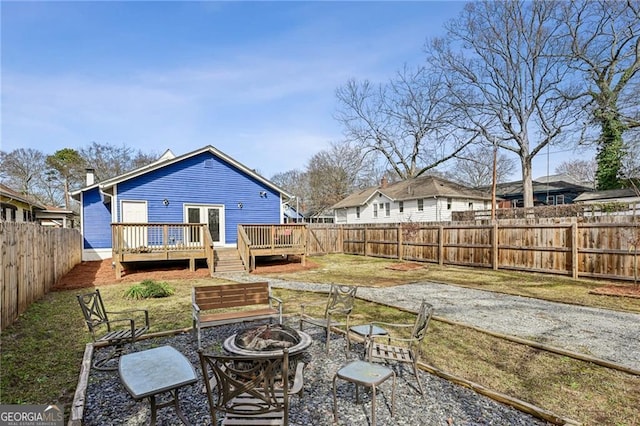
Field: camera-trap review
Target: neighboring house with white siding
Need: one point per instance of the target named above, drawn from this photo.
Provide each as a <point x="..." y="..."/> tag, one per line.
<point x="421" y="199"/>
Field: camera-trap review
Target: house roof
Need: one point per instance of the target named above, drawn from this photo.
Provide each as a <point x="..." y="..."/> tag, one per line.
<point x="169" y="158"/>
<point x="291" y="212"/>
<point x="609" y="194"/>
<point x="560" y="178"/>
<point x="15" y="195"/>
<point x="411" y="189"/>
<point x="516" y="188"/>
<point x="56" y="210"/>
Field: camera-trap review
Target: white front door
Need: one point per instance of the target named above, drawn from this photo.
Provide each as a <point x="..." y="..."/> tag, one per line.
<point x="134" y="212"/>
<point x="212" y="216"/>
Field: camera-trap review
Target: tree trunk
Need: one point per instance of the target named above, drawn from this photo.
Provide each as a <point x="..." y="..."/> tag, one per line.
<point x="527" y="181"/>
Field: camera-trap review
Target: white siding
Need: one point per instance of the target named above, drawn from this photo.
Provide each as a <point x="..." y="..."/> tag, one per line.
<point x="434" y="210"/>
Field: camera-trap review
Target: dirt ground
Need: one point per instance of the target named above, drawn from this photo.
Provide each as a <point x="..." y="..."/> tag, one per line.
<point x="89" y="274"/>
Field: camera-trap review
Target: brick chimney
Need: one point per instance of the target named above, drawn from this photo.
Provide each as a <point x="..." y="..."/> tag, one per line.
<point x="383" y="182"/>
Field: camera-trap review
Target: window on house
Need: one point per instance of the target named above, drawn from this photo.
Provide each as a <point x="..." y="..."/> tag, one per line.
<point x="375" y="210"/>
<point x="448" y="203"/>
<point x="514" y="203"/>
<point x="550" y="200"/>
<point x="470" y="206"/>
<point x="559" y="199"/>
<point x="400" y="206"/>
<point x="358" y="212"/>
<point x="420" y="204"/>
<point x="387" y="209"/>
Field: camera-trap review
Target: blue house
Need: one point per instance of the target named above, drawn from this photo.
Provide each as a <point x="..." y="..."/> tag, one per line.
<point x="180" y="207"/>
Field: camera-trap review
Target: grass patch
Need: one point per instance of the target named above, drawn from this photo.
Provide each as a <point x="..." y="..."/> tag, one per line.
<point x="571" y="388"/>
<point x="41" y="353"/>
<point x="149" y="289"/>
<point x="370" y="271"/>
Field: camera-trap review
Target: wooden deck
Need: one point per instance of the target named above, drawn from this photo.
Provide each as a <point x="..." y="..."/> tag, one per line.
<point x="271" y="240"/>
<point x="149" y="242"/>
<point x="145" y="242"/>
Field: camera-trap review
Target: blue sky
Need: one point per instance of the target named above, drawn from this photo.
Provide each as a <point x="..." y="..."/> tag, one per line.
<point x="256" y="80"/>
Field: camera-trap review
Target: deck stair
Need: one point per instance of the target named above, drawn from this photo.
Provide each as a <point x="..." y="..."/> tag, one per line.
<point x="228" y="260"/>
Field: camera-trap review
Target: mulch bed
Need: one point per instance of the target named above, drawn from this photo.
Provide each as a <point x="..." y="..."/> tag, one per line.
<point x="406" y="266"/>
<point x="630" y="290"/>
<point x="99" y="273"/>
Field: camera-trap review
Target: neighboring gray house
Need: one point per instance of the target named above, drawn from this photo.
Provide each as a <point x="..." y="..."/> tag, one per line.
<point x="421" y="199"/>
<point x="552" y="190"/>
<point x="626" y="195"/>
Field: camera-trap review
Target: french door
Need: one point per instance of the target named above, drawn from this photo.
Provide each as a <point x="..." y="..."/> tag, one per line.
<point x="212" y="216"/>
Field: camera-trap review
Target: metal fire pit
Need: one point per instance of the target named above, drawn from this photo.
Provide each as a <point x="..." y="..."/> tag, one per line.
<point x="268" y="340"/>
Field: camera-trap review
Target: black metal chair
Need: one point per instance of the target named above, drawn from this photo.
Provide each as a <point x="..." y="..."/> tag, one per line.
<point x="112" y="332"/>
<point x="340" y="303"/>
<point x="402" y="349"/>
<point x="249" y="390"/>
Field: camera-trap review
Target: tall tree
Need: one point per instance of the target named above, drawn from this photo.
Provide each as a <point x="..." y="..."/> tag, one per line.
<point x="583" y="171"/>
<point x="110" y="160"/>
<point x="604" y="39"/>
<point x="406" y="122"/>
<point x="502" y="62"/>
<point x="474" y="167"/>
<point x="295" y="182"/>
<point x="334" y="173"/>
<point x="66" y="167"/>
<point x="23" y="170"/>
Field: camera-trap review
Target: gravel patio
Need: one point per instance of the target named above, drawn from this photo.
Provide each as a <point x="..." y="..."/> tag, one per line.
<point x="107" y="401"/>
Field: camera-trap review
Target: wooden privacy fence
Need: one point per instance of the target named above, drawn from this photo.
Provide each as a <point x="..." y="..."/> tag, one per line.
<point x="33" y="258"/>
<point x="607" y="250"/>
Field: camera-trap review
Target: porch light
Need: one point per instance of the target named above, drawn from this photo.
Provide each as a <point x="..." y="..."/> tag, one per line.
<point x="239" y="205"/>
<point x="165" y="202"/>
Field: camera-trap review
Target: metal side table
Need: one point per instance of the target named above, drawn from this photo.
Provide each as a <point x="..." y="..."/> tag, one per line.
<point x="369" y="375"/>
<point x="148" y="373"/>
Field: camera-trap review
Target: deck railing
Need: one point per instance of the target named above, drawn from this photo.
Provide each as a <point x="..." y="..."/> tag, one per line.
<point x="135" y="242"/>
<point x="159" y="237"/>
<point x="264" y="240"/>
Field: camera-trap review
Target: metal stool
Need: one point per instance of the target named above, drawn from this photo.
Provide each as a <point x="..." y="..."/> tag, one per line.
<point x="369" y="375"/>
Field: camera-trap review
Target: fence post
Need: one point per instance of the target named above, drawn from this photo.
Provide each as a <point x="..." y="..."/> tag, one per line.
<point x="399" y="241"/>
<point x="494" y="246"/>
<point x="574" y="250"/>
<point x="365" y="240"/>
<point x="440" y="245"/>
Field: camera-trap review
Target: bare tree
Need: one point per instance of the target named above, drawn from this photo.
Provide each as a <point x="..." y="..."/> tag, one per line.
<point x="604" y="40"/>
<point x="334" y="173"/>
<point x="502" y="63"/>
<point x="474" y="167"/>
<point x="405" y="122"/>
<point x="583" y="171"/>
<point x="23" y="170"/>
<point x="295" y="182"/>
<point x="110" y="160"/>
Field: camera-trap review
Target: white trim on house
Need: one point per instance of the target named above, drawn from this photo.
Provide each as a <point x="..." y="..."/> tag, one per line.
<point x="89" y="255"/>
